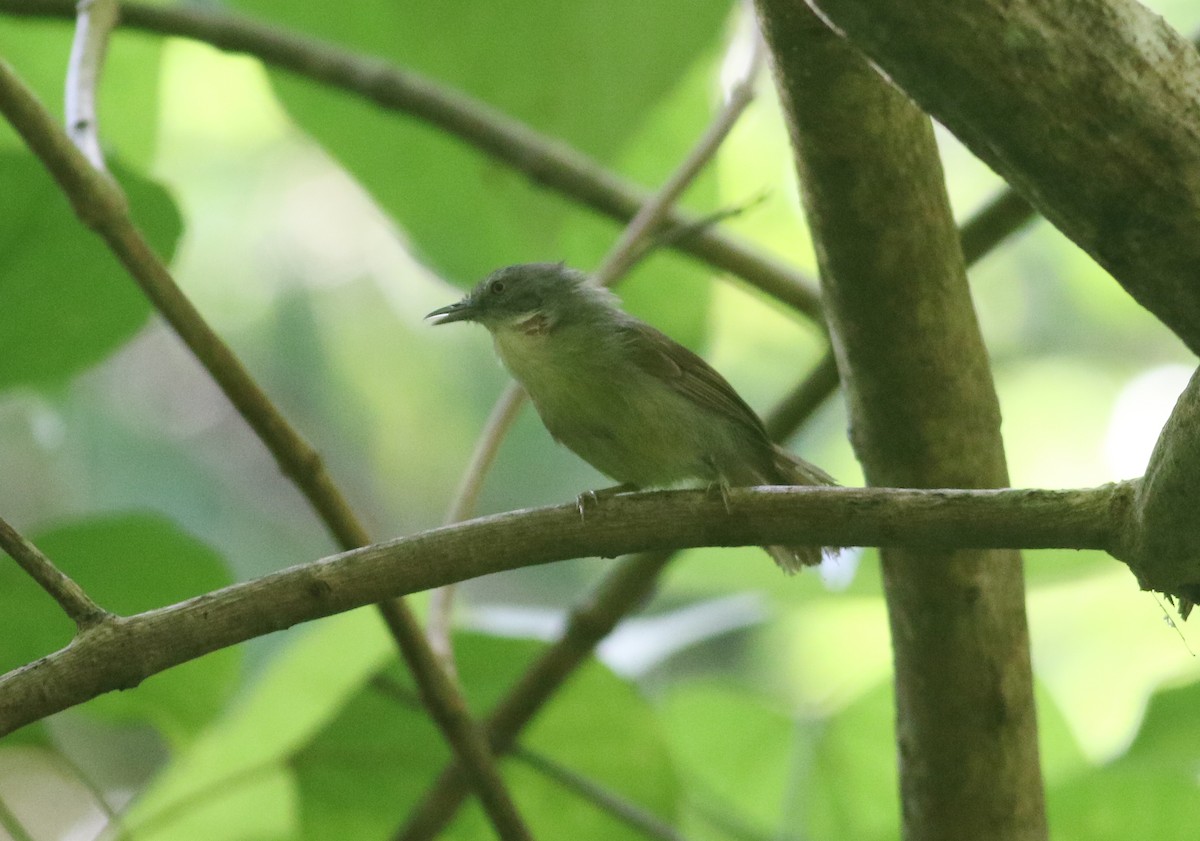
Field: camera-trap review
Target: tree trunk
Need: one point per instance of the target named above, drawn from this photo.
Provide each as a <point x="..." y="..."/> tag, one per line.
<point x="923" y="414"/>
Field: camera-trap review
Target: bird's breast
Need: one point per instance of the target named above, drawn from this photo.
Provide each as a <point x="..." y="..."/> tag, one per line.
<point x="619" y="418"/>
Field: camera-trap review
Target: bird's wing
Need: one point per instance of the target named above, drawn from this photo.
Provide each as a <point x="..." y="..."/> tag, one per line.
<point x="691" y="376"/>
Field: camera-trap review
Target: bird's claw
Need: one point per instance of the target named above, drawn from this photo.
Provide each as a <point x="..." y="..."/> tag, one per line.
<point x="588" y="499"/>
<point x="721" y="487"/>
<point x="584" y="501"/>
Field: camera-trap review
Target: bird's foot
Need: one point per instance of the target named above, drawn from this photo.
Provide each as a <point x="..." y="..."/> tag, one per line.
<point x="590" y="499"/>
<point x="721" y="487"/>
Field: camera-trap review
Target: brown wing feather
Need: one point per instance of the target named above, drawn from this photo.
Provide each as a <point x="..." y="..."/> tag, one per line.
<point x="690" y="375"/>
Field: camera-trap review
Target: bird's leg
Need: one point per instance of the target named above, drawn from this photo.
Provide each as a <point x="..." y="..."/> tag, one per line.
<point x="589" y="498"/>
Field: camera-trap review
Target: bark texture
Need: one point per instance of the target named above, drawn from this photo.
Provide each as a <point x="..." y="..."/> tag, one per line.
<point x="923" y="414"/>
<point x="1162" y="545"/>
<point x="1089" y="108"/>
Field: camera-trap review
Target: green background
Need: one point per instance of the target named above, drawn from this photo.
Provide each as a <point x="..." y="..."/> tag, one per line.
<point x="314" y="231"/>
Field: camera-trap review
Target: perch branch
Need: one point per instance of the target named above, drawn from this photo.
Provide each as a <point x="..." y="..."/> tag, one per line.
<point x="122" y="653"/>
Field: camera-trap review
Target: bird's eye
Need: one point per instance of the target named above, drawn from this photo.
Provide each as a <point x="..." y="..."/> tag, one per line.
<point x="497" y="287"/>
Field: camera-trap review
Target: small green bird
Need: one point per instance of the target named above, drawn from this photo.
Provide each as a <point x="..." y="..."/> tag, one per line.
<point x="636" y="405"/>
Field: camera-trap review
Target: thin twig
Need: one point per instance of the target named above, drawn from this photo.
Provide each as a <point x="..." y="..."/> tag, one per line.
<point x="993" y="223"/>
<point x="802" y="401"/>
<point x="636" y="242"/>
<point x="602" y="797"/>
<point x="77" y="604"/>
<point x="441" y="601"/>
<point x="94" y="23"/>
<point x="605" y="799"/>
<point x="101" y="205"/>
<point x="637" y="237"/>
<point x="548" y="162"/>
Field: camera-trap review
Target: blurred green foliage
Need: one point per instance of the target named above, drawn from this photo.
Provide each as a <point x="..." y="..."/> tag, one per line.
<point x="312" y="227"/>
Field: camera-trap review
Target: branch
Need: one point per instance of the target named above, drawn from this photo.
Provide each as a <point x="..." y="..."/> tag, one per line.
<point x="627" y="586"/>
<point x="102" y="206"/>
<point x="1087" y="108"/>
<point x="993" y="223"/>
<point x="96" y="19"/>
<point x="805" y="398"/>
<point x="441" y="601"/>
<point x="450" y="712"/>
<point x="603" y="798"/>
<point x="585" y="788"/>
<point x="122" y="653"/>
<point x="545" y="161"/>
<point x="12" y="825"/>
<point x="635" y="241"/>
<point x="1164" y="547"/>
<point x="77" y="604"/>
<point x="923" y="413"/>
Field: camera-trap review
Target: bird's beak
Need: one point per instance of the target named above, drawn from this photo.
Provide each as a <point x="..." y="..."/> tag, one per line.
<point x="464" y="310"/>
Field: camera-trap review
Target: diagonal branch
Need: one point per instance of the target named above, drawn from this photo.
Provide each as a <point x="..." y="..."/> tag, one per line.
<point x="94" y="24"/>
<point x="76" y="603"/>
<point x="122" y="653"/>
<point x="635" y="241"/>
<point x="585" y="788"/>
<point x="102" y="206"/>
<point x="545" y="161"/>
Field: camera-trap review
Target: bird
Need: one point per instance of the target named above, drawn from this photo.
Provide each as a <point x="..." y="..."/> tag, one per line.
<point x="623" y="396"/>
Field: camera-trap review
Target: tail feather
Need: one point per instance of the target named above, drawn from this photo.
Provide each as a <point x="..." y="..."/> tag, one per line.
<point x="791" y="470"/>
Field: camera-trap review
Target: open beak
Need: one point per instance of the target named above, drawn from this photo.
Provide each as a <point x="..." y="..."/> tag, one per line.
<point x="464" y="310"/>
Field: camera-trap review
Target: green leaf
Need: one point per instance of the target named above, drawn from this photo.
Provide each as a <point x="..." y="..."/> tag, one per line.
<point x="591" y="73"/>
<point x="734" y="753"/>
<point x="128" y="564"/>
<point x="305" y="687"/>
<point x="66" y="301"/>
<point x="1151" y="792"/>
<point x="362" y="773"/>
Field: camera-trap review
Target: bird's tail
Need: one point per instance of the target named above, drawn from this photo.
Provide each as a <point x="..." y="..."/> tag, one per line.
<point x="796" y="471"/>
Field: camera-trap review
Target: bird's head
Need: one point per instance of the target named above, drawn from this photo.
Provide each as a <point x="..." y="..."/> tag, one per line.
<point x="532" y="298"/>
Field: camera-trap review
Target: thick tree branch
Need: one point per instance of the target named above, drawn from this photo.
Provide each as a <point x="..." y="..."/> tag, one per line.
<point x="1164" y="548"/>
<point x="122" y="653"/>
<point x="76" y="603"/>
<point x="923" y="413"/>
<point x="548" y="162"/>
<point x="102" y="206"/>
<point x="1088" y="108"/>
